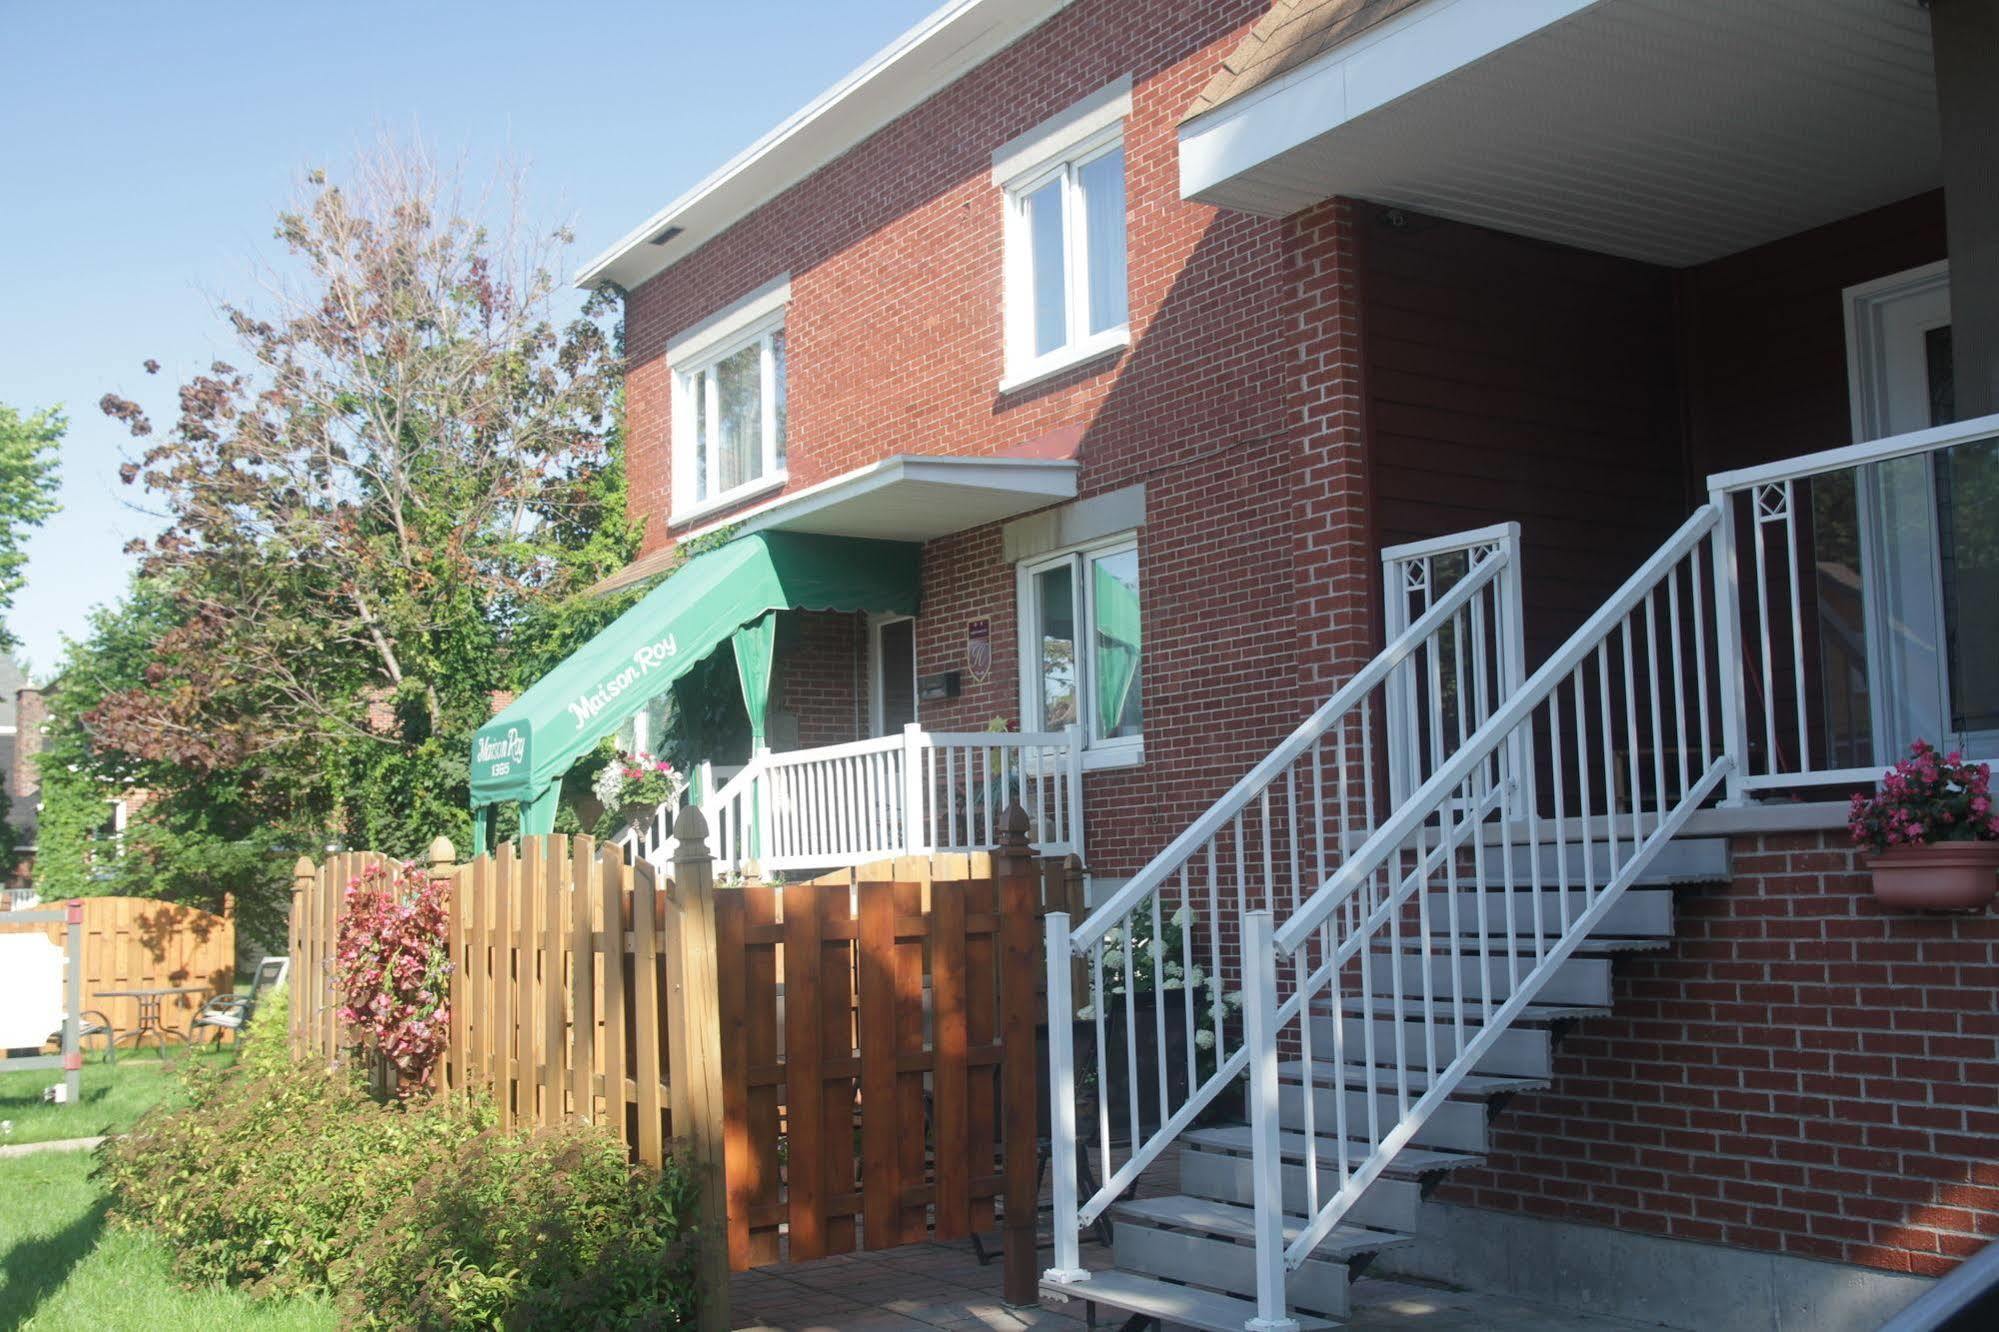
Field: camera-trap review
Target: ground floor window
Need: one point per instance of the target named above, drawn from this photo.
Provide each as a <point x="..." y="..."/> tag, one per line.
<point x="1082" y="657"/>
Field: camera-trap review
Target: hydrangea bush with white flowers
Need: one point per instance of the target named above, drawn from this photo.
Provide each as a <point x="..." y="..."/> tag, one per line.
<point x="1132" y="963"/>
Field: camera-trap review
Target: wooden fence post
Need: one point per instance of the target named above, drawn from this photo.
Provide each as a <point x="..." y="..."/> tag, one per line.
<point x="1020" y="970"/>
<point x="304" y="875"/>
<point x="443" y="867"/>
<point x="694" y="1060"/>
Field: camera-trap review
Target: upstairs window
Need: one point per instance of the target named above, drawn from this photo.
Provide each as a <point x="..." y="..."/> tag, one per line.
<point x="1066" y="299"/>
<point x="729" y="404"/>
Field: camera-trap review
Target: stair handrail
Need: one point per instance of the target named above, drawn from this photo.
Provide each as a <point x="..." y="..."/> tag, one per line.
<point x="1346" y="716"/>
<point x="1442" y="822"/>
<point x="1484" y="570"/>
<point x="1425" y="801"/>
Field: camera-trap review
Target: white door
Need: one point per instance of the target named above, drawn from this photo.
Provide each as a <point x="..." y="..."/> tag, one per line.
<point x="892" y="673"/>
<point x="1927" y="529"/>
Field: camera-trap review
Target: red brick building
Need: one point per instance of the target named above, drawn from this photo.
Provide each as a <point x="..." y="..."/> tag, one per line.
<point x="1171" y="329"/>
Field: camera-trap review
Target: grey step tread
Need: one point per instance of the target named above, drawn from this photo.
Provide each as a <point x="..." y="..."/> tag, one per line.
<point x="1639" y="911"/>
<point x="1471" y="1087"/>
<point x="1380" y="1007"/>
<point x="1410" y="1161"/>
<point x="1187" y="1305"/>
<point x="1468" y="945"/>
<point x="1233" y="1221"/>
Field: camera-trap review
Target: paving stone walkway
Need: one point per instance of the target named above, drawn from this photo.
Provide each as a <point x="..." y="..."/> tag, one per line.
<point x="943" y="1286"/>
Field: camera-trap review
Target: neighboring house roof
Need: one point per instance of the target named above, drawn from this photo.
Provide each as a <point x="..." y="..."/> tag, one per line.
<point x="1292" y="33"/>
<point x="914" y="67"/>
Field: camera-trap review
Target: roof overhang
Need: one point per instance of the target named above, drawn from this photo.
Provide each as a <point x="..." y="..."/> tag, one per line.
<point x="1674" y="131"/>
<point x="951" y="42"/>
<point x="910" y="497"/>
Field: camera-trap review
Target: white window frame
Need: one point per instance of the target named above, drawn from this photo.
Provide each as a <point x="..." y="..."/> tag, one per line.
<point x="1058" y="149"/>
<point x="753" y="320"/>
<point x="1118" y="751"/>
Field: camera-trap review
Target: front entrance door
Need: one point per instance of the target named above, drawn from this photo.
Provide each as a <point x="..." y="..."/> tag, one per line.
<point x="1929" y="527"/>
<point x="892" y="673"/>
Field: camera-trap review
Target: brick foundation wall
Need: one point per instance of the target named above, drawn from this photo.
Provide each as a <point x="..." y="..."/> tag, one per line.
<point x="1800" y="1071"/>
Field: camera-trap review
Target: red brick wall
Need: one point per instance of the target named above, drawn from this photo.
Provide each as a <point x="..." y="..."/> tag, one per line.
<point x="821" y="671"/>
<point x="1801" y="1071"/>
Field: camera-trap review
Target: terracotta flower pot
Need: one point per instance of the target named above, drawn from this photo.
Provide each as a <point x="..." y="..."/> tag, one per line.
<point x="1937" y="876"/>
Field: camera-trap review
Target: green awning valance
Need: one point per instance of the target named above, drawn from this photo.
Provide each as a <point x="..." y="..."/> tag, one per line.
<point x="526" y="748"/>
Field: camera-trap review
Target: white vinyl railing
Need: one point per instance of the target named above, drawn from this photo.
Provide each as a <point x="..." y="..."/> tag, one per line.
<point x="1841" y="579"/>
<point x="916" y="793"/>
<point x="1161" y="1036"/>
<point x="1434" y="926"/>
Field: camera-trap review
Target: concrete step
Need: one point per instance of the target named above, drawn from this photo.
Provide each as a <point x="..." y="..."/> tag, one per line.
<point x="1409" y="1163"/>
<point x="1518" y="1051"/>
<point x="1579" y="980"/>
<point x="1185" y="1306"/>
<point x="1456" y="1126"/>
<point x="1388" y="1204"/>
<point x="1531" y="1015"/>
<point x="1639" y="913"/>
<point x="1471" y="1087"/>
<point x="1212" y="1244"/>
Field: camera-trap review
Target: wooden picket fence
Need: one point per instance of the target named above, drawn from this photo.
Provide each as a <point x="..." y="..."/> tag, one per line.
<point x="847" y="1062"/>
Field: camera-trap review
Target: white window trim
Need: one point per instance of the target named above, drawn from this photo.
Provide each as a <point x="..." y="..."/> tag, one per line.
<point x="877" y="621"/>
<point x="700" y="348"/>
<point x="1122" y="752"/>
<point x="1058" y="146"/>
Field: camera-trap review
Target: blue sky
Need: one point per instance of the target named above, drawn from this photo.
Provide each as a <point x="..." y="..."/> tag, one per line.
<point x="145" y="148"/>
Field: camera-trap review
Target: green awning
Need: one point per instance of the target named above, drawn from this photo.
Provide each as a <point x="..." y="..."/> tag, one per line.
<point x="525" y="749"/>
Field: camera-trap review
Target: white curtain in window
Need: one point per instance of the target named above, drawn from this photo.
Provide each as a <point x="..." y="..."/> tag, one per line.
<point x="1102" y="182"/>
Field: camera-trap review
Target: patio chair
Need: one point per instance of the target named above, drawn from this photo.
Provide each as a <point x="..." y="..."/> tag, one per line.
<point x="94" y="1022"/>
<point x="232" y="1012"/>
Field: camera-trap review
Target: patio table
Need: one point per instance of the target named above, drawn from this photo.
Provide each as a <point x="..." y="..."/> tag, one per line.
<point x="149" y="1013"/>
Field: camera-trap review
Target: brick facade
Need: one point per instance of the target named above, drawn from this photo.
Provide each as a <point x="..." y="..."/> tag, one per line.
<point x="1800" y="1071"/>
<point x="894" y="343"/>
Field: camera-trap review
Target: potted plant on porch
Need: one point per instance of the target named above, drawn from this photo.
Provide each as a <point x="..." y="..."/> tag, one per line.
<point x="1934" y="833"/>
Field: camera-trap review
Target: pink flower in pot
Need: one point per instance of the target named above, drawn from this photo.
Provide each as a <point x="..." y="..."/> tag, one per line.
<point x="1933" y="831"/>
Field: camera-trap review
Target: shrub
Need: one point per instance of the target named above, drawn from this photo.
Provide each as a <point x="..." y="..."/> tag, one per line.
<point x="267" y="1037"/>
<point x="552" y="1229"/>
<point x="391" y="965"/>
<point x="414" y="1214"/>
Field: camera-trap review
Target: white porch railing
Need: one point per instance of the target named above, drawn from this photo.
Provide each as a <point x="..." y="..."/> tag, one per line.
<point x="916" y="793"/>
<point x="1841" y="578"/>
<point x="1155" y="955"/>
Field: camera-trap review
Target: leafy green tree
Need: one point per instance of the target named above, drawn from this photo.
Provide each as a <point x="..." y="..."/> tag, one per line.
<point x="29" y="449"/>
<point x="386" y="519"/>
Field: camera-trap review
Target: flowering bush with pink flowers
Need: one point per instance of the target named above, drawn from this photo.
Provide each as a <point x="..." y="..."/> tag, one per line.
<point x="391" y="968"/>
<point x="1927" y="797"/>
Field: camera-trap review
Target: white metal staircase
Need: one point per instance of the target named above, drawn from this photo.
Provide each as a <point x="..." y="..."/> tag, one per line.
<point x="1425" y="956"/>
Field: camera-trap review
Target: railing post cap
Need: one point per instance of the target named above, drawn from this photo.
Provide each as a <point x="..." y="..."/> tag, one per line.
<point x="442" y="852"/>
<point x="304" y="869"/>
<point x="690" y="825"/>
<point x="1014" y="820"/>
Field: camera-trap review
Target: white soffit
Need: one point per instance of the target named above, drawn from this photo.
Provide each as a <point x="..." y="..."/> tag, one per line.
<point x="912" y="497"/>
<point x="1674" y="131"/>
<point x="945" y="46"/>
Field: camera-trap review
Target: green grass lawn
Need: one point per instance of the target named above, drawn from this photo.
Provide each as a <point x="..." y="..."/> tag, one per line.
<point x="113" y="1096"/>
<point x="63" y="1267"/>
